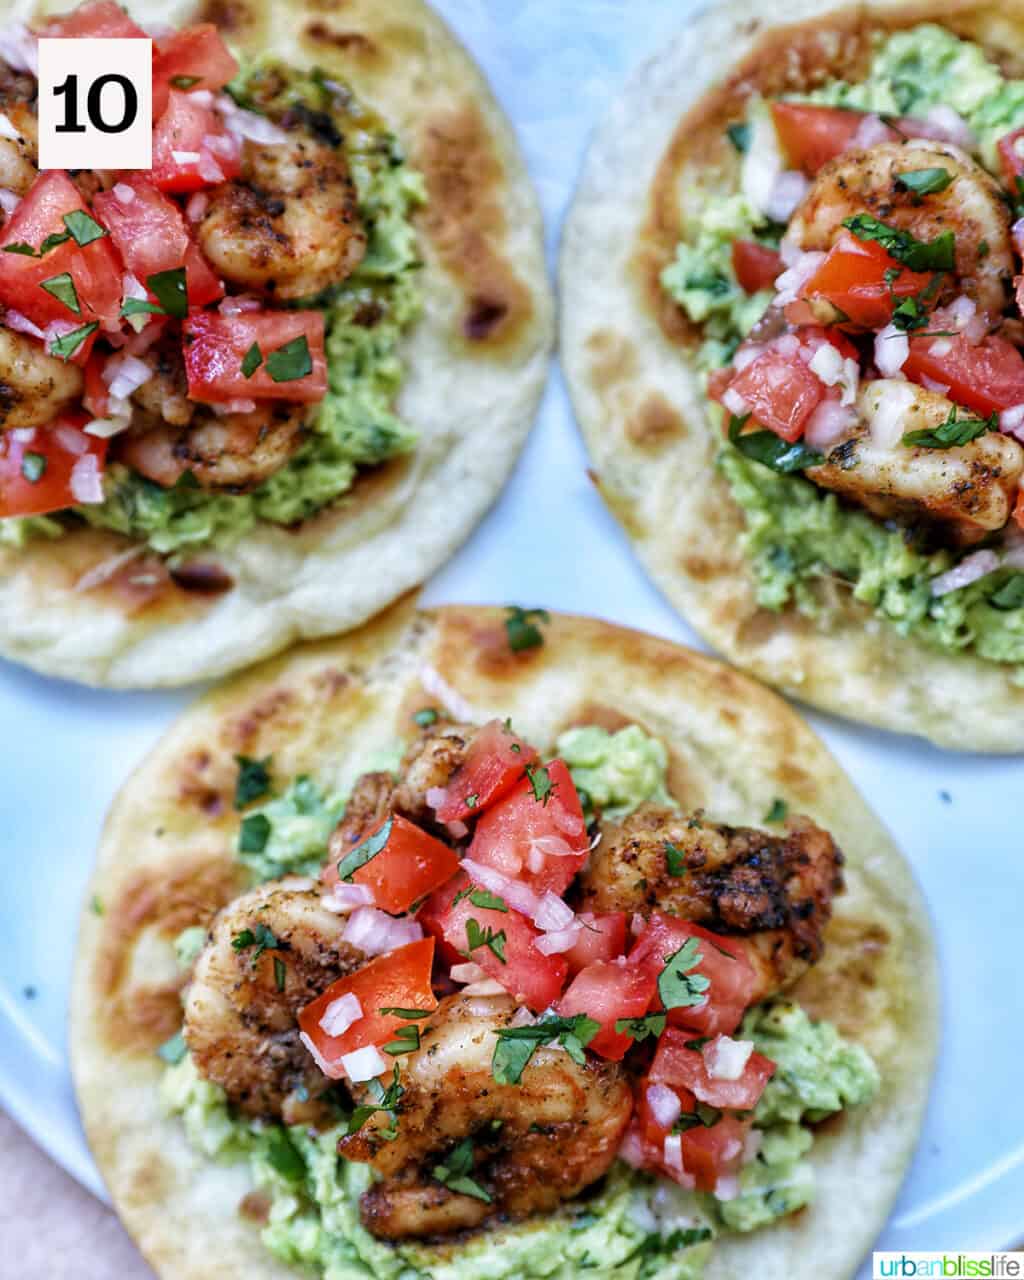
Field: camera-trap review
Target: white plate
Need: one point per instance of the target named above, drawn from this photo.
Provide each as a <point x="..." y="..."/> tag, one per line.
<point x="549" y="541"/>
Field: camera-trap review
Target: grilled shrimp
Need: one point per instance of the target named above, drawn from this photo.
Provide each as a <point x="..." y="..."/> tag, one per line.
<point x="535" y="1143"/>
<point x="34" y="386"/>
<point x="244" y="997"/>
<point x="774" y="891"/>
<point x="971" y="206"/>
<point x="18" y="154"/>
<point x="429" y="762"/>
<point x="164" y="395"/>
<point x="290" y="225"/>
<point x="969" y="489"/>
<point x="233" y="451"/>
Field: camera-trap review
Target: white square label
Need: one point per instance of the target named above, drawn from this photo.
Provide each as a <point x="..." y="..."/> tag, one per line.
<point x="95" y="104"/>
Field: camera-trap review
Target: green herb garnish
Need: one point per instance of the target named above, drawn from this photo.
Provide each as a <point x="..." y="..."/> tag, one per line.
<point x="397" y="1012"/>
<point x="253" y="780"/>
<point x="771" y="450"/>
<point x="84" y="229"/>
<point x="282" y="1155"/>
<point x="33" y="467"/>
<point x="678" y="986"/>
<point x="540" y="781"/>
<point x="290" y="362"/>
<point x="739" y="136"/>
<point x="184" y="82"/>
<point x="170" y="289"/>
<point x="254" y="834"/>
<point x="426" y="716"/>
<point x="916" y="255"/>
<point x="62" y="288"/>
<point x="522" y="632"/>
<point x="262" y="938"/>
<point x="478" y="937"/>
<point x="675" y="860"/>
<point x="1010" y="595"/>
<point x="252" y="360"/>
<point x="173" y="1051"/>
<point x="66" y="346"/>
<point x="364" y="852"/>
<point x="517" y="1045"/>
<point x="640" y="1028"/>
<point x="407" y="1040"/>
<point x="924" y="182"/>
<point x="454" y="1172"/>
<point x="141" y="306"/>
<point x="383" y="1100"/>
<point x="778" y="811"/>
<point x="952" y="433"/>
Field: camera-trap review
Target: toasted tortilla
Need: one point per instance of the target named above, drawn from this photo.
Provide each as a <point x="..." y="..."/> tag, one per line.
<point x="628" y="352"/>
<point x="476" y="365"/>
<point x="167" y="861"/>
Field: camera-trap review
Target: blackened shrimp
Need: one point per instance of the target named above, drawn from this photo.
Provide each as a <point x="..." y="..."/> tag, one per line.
<point x="34" y="386"/>
<point x="19" y="134"/>
<point x="970" y="205"/>
<point x="269" y="953"/>
<point x="773" y="891"/>
<point x="534" y="1144"/>
<point x="289" y="226"/>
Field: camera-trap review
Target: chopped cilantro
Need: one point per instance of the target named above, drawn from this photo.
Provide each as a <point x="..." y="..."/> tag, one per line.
<point x="290" y="362"/>
<point x="675" y="860"/>
<point x="916" y="255"/>
<point x="62" y="288"/>
<point x="407" y="1040"/>
<point x="262" y="938"/>
<point x="171" y="291"/>
<point x="364" y="852"/>
<point x="678" y="986"/>
<point x="254" y="834"/>
<point x="66" y="346"/>
<point x="184" y="82"/>
<point x="33" y="467"/>
<point x="1011" y="594"/>
<point x="280" y="973"/>
<point x="84" y="229"/>
<point x="540" y="781"/>
<point x="522" y="631"/>
<point x="253" y="780"/>
<point x="282" y="1155"/>
<point x="640" y="1028"/>
<point x="771" y="450"/>
<point x="252" y="360"/>
<point x="924" y="182"/>
<point x="141" y="306"/>
<point x="426" y="716"/>
<point x="454" y="1172"/>
<point x="953" y="432"/>
<point x="517" y="1045"/>
<point x="383" y="1100"/>
<point x="485" y="937"/>
<point x="739" y="136"/>
<point x="778" y="811"/>
<point x="397" y="1012"/>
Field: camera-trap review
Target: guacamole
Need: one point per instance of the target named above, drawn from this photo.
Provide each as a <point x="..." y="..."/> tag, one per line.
<point x="366" y="316"/>
<point x="800" y="538"/>
<point x="615" y="772"/>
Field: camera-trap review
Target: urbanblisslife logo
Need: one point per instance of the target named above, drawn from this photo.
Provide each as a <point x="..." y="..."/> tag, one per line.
<point x="952" y="1266"/>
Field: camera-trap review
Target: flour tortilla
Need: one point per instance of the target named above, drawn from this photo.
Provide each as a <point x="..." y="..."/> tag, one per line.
<point x="476" y="365"/>
<point x="166" y="862"/>
<point x="628" y="353"/>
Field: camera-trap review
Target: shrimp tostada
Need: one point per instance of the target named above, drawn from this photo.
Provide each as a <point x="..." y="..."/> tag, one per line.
<point x="263" y="388"/>
<point x="792" y="323"/>
<point x="500" y="945"/>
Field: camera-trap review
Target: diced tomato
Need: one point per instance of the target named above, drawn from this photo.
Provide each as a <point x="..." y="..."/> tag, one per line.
<point x="197" y="53"/>
<point x="810" y="135"/>
<point x="853" y="279"/>
<point x="409" y="866"/>
<point x="651" y="1127"/>
<point x="434" y="912"/>
<point x="1018" y="510"/>
<point x="781" y="391"/>
<point x="215" y="346"/>
<point x="756" y="266"/>
<point x="542" y="842"/>
<point x="94" y="268"/>
<point x="191" y="148"/>
<point x="723" y="962"/>
<point x="62" y="445"/>
<point x="535" y="979"/>
<point x="398" y="980"/>
<point x="493" y="765"/>
<point x="97" y="20"/>
<point x="97" y="396"/>
<point x="717" y="1152"/>
<point x="987" y="378"/>
<point x="607" y="991"/>
<point x="674" y="1064"/>
<point x="601" y="938"/>
<point x="150" y="234"/>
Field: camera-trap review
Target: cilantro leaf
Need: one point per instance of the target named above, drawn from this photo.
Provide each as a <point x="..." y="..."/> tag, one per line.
<point x="540" y="781"/>
<point x="62" y="288"/>
<point x="280" y="973"/>
<point x="171" y="291"/>
<point x="66" y="346"/>
<point x="255" y="833"/>
<point x="955" y="431"/>
<point x="364" y="852"/>
<point x="778" y="811"/>
<point x="640" y="1028"/>
<point x="522" y="632"/>
<point x="33" y="467"/>
<point x="283" y="1156"/>
<point x="290" y="362"/>
<point x="1011" y="594"/>
<point x="675" y="860"/>
<point x="678" y="986"/>
<point x="252" y="360"/>
<point x="383" y="1100"/>
<point x="83" y="228"/>
<point x="485" y="937"/>
<point x="739" y="136"/>
<point x="924" y="182"/>
<point x="517" y="1045"/>
<point x="426" y="716"/>
<point x="488" y="901"/>
<point x="253" y="780"/>
<point x="262" y="938"/>
<point x="454" y="1172"/>
<point x="407" y="1040"/>
<point x="916" y="255"/>
<point x="141" y="306"/>
<point x="396" y="1011"/>
<point x="771" y="450"/>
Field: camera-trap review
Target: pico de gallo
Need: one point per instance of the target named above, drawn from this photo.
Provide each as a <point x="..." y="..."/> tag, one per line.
<point x="182" y="348"/>
<point x="493" y="938"/>
<point x="858" y="292"/>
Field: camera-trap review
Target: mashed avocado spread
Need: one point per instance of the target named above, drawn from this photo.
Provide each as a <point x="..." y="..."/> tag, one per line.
<point x="366" y="318"/>
<point x="800" y="537"/>
<point x="632" y="1226"/>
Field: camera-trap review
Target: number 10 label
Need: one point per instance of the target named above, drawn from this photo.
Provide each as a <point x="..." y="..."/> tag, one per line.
<point x="95" y="104"/>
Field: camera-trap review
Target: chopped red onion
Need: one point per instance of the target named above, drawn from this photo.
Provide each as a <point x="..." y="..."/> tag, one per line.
<point x="892" y="347"/>
<point x="201" y="97"/>
<point x="871" y="131"/>
<point x="364" y="1064"/>
<point x="787" y="191"/>
<point x="747" y="354"/>
<point x="485" y="987"/>
<point x="970" y="569"/>
<point x="209" y="169"/>
<point x="948" y="125"/>
<point x="518" y="895"/>
<point x="22" y="324"/>
<point x="247" y="124"/>
<point x="930" y="384"/>
<point x="828" y="423"/>
<point x="232" y="406"/>
<point x="377" y="933"/>
<point x="558" y="941"/>
<point x="637" y="924"/>
<point x="124" y="374"/>
<point x="341" y="1014"/>
<point x="19" y="48"/>
<point x="795" y="277"/>
<point x="123" y="193"/>
<point x="9" y="200"/>
<point x="344" y="898"/>
<point x="185" y="157"/>
<point x="235" y="305"/>
<point x="326" y="1067"/>
<point x="734" y="402"/>
<point x="727" y="1187"/>
<point x="672" y="1153"/>
<point x="86" y="481"/>
<point x="887" y="406"/>
<point x="196" y="206"/>
<point x="664" y="1104"/>
<point x="726" y="1058"/>
<point x="1011" y="421"/>
<point x="631" y="1151"/>
<point x="552" y="913"/>
<point x="70" y="441"/>
<point x="468" y="972"/>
